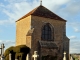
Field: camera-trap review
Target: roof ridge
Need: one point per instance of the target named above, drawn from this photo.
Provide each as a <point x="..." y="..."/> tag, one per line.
<point x="42" y="11"/>
<point x="53" y="12"/>
<point x="27" y="13"/>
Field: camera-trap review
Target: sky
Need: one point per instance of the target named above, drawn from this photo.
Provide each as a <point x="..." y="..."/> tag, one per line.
<point x="12" y="10"/>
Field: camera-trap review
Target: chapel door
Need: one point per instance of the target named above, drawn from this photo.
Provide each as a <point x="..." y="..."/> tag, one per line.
<point x="49" y="57"/>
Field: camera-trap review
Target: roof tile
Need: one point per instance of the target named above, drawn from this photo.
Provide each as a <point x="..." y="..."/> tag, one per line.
<point x="41" y="11"/>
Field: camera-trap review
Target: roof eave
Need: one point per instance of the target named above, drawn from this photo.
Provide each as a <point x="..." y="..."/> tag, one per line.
<point x="51" y="18"/>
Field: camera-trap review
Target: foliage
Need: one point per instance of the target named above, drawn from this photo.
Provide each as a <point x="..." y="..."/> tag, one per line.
<point x="21" y="48"/>
<point x="19" y="56"/>
<point x="75" y="56"/>
<point x="7" y="51"/>
<point x="7" y="57"/>
<point x="17" y="52"/>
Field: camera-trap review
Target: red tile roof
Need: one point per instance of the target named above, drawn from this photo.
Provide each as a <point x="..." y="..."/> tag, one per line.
<point x="41" y="11"/>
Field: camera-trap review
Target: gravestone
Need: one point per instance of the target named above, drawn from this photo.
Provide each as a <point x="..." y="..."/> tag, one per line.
<point x="71" y="58"/>
<point x="9" y="56"/>
<point x="2" y="51"/>
<point x="16" y="59"/>
<point x="64" y="58"/>
<point x="35" y="56"/>
<point x="27" y="57"/>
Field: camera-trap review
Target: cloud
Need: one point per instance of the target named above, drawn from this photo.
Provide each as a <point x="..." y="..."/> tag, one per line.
<point x="74" y="47"/>
<point x="7" y="43"/>
<point x="75" y="26"/>
<point x="15" y="1"/>
<point x="2" y="22"/>
<point x="69" y="11"/>
<point x="73" y="7"/>
<point x="16" y="9"/>
<point x="72" y="37"/>
<point x="76" y="30"/>
<point x="54" y="4"/>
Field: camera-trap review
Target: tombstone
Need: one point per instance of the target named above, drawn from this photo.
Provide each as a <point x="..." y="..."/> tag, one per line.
<point x="16" y="59"/>
<point x="27" y="57"/>
<point x="71" y="58"/>
<point x="2" y="57"/>
<point x="2" y="51"/>
<point x="2" y="46"/>
<point x="9" y="56"/>
<point x="35" y="56"/>
<point x="64" y="58"/>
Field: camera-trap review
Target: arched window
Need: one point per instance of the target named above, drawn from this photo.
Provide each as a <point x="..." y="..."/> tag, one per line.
<point x="46" y="32"/>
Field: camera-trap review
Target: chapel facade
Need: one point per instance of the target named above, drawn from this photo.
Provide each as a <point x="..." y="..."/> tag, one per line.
<point x="43" y="31"/>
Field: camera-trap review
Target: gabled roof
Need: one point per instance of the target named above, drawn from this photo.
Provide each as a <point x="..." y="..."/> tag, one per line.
<point x="41" y="11"/>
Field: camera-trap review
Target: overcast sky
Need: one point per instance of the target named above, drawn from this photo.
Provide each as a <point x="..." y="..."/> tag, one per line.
<point x="12" y="10"/>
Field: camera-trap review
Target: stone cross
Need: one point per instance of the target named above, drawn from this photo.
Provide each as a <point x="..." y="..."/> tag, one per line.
<point x="16" y="59"/>
<point x="35" y="56"/>
<point x="64" y="58"/>
<point x="71" y="58"/>
<point x="9" y="56"/>
<point x="2" y="49"/>
<point x="27" y="57"/>
<point x="2" y="57"/>
<point x="40" y="2"/>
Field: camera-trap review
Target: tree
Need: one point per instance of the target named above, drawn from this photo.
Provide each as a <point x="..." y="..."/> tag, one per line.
<point x="18" y="52"/>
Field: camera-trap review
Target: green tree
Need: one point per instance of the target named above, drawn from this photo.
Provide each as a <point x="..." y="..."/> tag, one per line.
<point x="18" y="52"/>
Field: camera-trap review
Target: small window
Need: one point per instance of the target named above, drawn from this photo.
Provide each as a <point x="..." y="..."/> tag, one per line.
<point x="46" y="32"/>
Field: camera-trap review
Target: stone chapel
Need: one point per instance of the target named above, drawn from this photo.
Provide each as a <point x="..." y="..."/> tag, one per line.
<point x="43" y="31"/>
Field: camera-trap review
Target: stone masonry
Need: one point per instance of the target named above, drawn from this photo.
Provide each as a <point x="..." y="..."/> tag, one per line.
<point x="29" y="30"/>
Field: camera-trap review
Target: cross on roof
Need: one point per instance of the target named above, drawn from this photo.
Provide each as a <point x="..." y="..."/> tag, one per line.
<point x="40" y="2"/>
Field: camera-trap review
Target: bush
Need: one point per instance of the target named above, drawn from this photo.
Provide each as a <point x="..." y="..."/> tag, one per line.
<point x="7" y="57"/>
<point x="17" y="52"/>
<point x="7" y="51"/>
<point x="19" y="56"/>
<point x="21" y="48"/>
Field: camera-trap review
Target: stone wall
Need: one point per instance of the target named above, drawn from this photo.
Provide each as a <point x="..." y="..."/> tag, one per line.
<point x="24" y="36"/>
<point x="38" y="22"/>
<point x="22" y="28"/>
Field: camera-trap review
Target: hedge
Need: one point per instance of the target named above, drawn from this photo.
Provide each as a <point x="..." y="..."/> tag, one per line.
<point x="18" y="52"/>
